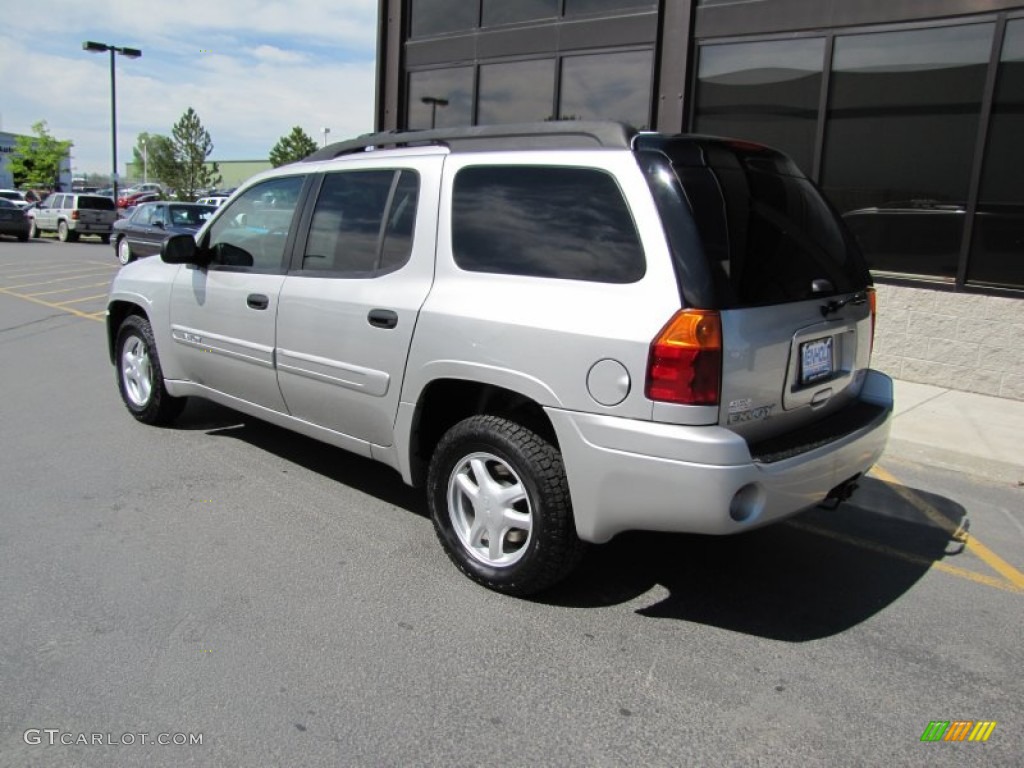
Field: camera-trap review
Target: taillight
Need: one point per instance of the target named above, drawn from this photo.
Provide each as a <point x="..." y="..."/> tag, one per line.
<point x="74" y="214"/>
<point x="685" y="361"/>
<point x="873" y="305"/>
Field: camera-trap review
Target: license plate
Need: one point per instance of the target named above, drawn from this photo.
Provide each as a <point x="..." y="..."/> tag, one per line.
<point x="815" y="360"/>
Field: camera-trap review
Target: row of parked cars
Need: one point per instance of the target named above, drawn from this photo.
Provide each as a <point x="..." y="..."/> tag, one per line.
<point x="135" y="225"/>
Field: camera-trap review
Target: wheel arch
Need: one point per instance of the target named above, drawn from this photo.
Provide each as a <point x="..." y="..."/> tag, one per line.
<point x="117" y="312"/>
<point x="445" y="402"/>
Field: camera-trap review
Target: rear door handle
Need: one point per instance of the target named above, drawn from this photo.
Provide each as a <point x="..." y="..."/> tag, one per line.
<point x="382" y="318"/>
<point x="257" y="301"/>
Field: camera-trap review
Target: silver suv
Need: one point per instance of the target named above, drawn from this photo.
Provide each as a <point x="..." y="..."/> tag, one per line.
<point x="72" y="215"/>
<point x="561" y="331"/>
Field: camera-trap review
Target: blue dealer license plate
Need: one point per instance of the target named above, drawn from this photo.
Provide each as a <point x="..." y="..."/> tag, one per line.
<point x="815" y="360"/>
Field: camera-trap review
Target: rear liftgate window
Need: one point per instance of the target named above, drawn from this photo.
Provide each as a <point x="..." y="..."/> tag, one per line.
<point x="568" y="223"/>
<point x="768" y="235"/>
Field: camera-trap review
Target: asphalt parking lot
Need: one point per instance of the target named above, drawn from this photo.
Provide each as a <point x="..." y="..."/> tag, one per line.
<point x="289" y="603"/>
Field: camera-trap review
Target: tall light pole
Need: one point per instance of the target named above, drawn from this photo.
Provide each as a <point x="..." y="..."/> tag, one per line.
<point x="145" y="163"/>
<point x="325" y="130"/>
<point x="131" y="53"/>
<point x="434" y="102"/>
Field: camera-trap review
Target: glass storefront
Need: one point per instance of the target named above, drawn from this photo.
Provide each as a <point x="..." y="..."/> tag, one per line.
<point x="767" y="92"/>
<point x="440" y="98"/>
<point x="899" y="144"/>
<point x="997" y="248"/>
<point x="437" y="17"/>
<point x="504" y="12"/>
<point x="608" y="86"/>
<point x="517" y="92"/>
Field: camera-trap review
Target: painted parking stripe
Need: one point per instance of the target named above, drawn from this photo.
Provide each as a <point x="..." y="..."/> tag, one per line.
<point x="78" y="301"/>
<point x="74" y="288"/>
<point x="51" y="305"/>
<point x="51" y="282"/>
<point x="971" y="543"/>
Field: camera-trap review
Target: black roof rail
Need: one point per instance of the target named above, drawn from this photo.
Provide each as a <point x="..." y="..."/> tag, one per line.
<point x="554" y="134"/>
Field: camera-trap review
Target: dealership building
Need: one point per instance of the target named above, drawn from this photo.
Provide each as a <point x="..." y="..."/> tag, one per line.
<point x="908" y="113"/>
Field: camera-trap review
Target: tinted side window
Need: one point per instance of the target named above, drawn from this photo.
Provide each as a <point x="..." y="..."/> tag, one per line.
<point x="144" y="215"/>
<point x="362" y="223"/>
<point x="251" y="232"/>
<point x="569" y="223"/>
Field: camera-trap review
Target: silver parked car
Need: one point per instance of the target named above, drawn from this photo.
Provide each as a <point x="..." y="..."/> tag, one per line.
<point x="72" y="214"/>
<point x="560" y="331"/>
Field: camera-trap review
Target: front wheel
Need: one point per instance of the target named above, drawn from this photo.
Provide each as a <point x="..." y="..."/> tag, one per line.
<point x="124" y="251"/>
<point x="500" y="504"/>
<point x="139" y="376"/>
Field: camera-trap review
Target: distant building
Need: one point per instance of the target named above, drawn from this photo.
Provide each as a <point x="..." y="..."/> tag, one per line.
<point x="233" y="172"/>
<point x="7" y="142"/>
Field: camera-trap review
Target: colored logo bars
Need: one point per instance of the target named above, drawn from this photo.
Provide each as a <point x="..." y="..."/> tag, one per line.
<point x="958" y="730"/>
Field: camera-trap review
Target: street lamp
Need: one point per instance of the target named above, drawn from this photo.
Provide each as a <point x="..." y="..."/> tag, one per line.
<point x="434" y="102"/>
<point x="145" y="163"/>
<point x="131" y="53"/>
<point x="325" y="130"/>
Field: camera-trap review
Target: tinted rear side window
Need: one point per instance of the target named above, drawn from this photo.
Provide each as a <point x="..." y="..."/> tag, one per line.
<point x="568" y="223"/>
<point x="96" y="203"/>
<point x="768" y="235"/>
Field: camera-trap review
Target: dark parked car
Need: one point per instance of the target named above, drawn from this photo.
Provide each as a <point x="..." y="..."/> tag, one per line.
<point x="13" y="220"/>
<point x="141" y="233"/>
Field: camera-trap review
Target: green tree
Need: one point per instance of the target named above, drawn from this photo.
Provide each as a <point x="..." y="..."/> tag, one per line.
<point x="158" y="153"/>
<point x="37" y="160"/>
<point x="189" y="173"/>
<point x="292" y="148"/>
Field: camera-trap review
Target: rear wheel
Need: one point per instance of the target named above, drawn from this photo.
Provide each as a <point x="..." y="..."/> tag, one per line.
<point x="139" y="376"/>
<point x="33" y="230"/>
<point x="105" y="239"/>
<point x="64" y="233"/>
<point x="124" y="251"/>
<point x="500" y="504"/>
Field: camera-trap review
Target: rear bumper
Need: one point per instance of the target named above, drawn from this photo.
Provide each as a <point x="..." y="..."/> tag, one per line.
<point x="626" y="474"/>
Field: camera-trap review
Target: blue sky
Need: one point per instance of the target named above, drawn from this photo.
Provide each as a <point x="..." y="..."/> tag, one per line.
<point x="252" y="69"/>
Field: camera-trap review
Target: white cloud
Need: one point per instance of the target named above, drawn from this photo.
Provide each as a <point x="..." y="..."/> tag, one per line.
<point x="251" y="70"/>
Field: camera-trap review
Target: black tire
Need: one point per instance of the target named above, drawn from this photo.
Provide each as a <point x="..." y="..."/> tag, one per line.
<point x="23" y="238"/>
<point x="65" y="234"/>
<point x="105" y="239"/>
<point x="33" y="230"/>
<point x="140" y="378"/>
<point x="514" y="458"/>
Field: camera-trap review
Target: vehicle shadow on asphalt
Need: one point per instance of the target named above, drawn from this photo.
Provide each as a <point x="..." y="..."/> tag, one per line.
<point x="814" y="576"/>
<point x="362" y="474"/>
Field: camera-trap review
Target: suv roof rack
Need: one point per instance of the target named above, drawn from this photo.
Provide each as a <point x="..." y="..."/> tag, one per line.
<point x="555" y="134"/>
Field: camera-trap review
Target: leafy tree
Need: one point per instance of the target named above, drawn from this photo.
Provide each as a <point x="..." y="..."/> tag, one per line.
<point x="292" y="148"/>
<point x="191" y="143"/>
<point x="36" y="161"/>
<point x="159" y="154"/>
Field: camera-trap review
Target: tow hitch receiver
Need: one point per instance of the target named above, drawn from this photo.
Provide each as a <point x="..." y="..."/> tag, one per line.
<point x="840" y="493"/>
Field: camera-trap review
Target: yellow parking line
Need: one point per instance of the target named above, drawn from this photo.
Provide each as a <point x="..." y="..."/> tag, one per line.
<point x="57" y="269"/>
<point x="51" y="305"/>
<point x="882" y="549"/>
<point x="971" y="543"/>
<point x="49" y="282"/>
<point x="74" y="288"/>
<point x="77" y="301"/>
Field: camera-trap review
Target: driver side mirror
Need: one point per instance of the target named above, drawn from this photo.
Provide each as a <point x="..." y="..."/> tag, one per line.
<point x="182" y="249"/>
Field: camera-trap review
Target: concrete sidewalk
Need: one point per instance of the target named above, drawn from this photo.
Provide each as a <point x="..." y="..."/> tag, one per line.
<point x="960" y="431"/>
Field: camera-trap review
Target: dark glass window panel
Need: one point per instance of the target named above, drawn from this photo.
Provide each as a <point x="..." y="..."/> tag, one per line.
<point x="401" y="222"/>
<point x="997" y="248"/>
<point x="612" y="86"/>
<point x="436" y="17"/>
<point x="568" y="223"/>
<point x="252" y="229"/>
<point x="448" y="94"/>
<point x="510" y="11"/>
<point x="766" y="92"/>
<point x="767" y="233"/>
<point x="576" y="7"/>
<point x="345" y="234"/>
<point x="902" y="125"/>
<point x="518" y="92"/>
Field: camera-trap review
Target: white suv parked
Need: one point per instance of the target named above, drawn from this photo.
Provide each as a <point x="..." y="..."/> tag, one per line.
<point x="562" y="331"/>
